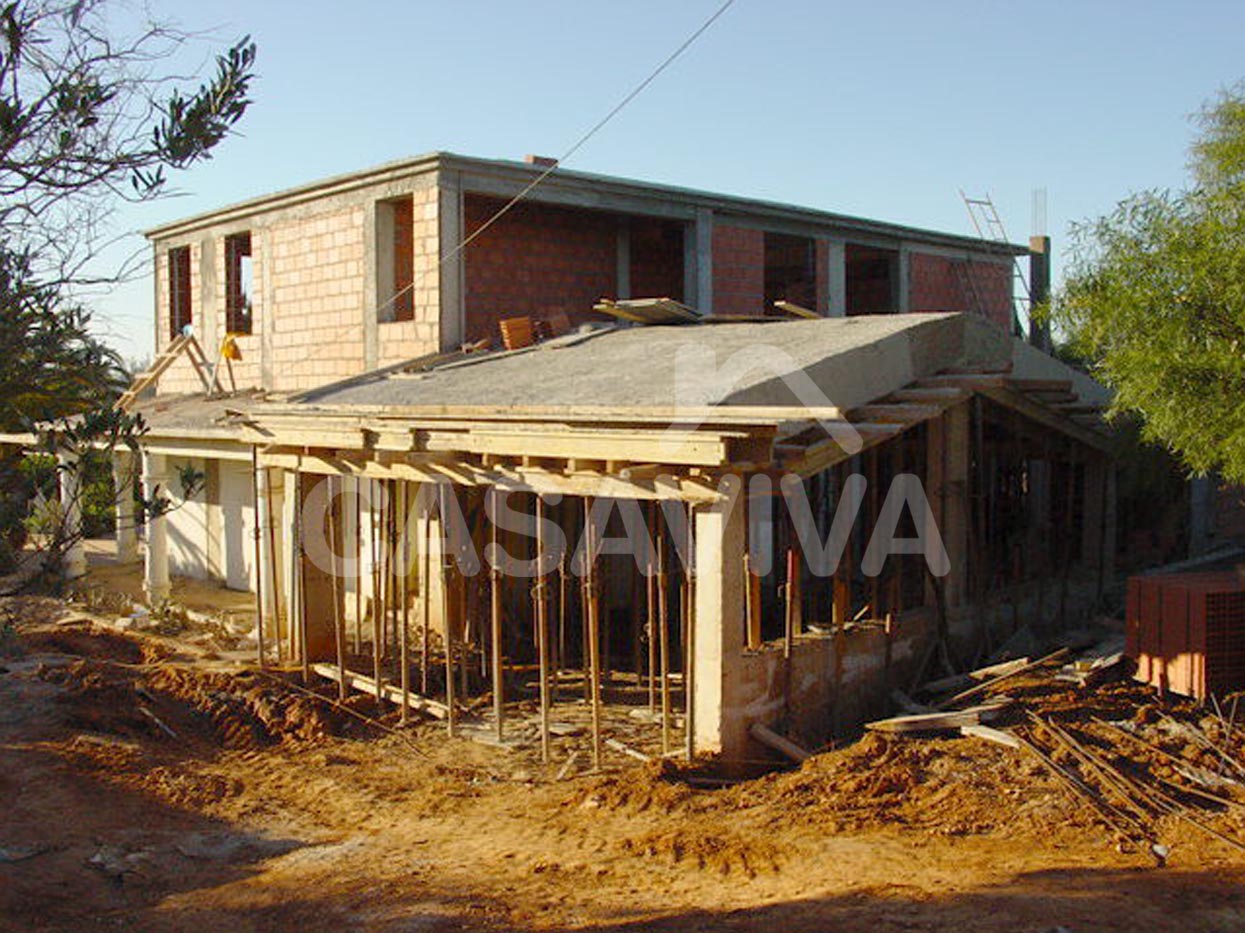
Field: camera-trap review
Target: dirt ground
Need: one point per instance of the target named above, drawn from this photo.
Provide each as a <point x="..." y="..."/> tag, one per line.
<point x="147" y="786"/>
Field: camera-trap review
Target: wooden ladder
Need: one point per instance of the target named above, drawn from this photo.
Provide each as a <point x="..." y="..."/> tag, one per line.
<point x="182" y="343"/>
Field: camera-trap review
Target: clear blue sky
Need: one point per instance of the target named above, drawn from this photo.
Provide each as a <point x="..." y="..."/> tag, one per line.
<point x="883" y="110"/>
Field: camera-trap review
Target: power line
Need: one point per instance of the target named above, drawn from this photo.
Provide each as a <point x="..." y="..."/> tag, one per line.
<point x="596" y="128"/>
<point x="579" y="144"/>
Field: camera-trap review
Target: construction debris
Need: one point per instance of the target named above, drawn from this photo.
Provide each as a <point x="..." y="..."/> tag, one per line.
<point x="1119" y="768"/>
<point x="944" y="721"/>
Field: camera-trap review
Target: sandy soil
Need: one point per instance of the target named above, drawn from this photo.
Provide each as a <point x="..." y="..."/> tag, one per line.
<point x="144" y="787"/>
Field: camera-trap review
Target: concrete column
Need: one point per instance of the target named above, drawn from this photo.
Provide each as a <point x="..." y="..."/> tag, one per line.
<point x="903" y="281"/>
<point x="371" y="289"/>
<point x="214" y="521"/>
<point x="71" y="516"/>
<point x="718" y="701"/>
<point x="450" y="231"/>
<point x="156" y="557"/>
<point x="698" y="262"/>
<point x="292" y="556"/>
<point x="264" y="577"/>
<point x="624" y="259"/>
<point x="267" y="292"/>
<point x="123" y="479"/>
<point x="837" y="279"/>
<point x="204" y="316"/>
<point x="956" y="514"/>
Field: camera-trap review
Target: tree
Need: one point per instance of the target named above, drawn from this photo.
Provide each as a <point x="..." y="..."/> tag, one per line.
<point x="86" y="120"/>
<point x="92" y="113"/>
<point x="1155" y="300"/>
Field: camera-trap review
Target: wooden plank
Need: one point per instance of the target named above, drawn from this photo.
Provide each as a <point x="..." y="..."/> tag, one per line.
<point x="795" y="310"/>
<point x="779" y="743"/>
<point x="943" y="394"/>
<point x="1040" y="385"/>
<point x="649" y="310"/>
<point x="963" y="380"/>
<point x="996" y="736"/>
<point x="905" y="413"/>
<point x="987" y="684"/>
<point x="423" y="468"/>
<point x="1048" y="417"/>
<point x="676" y="448"/>
<point x="365" y="684"/>
<point x="944" y="721"/>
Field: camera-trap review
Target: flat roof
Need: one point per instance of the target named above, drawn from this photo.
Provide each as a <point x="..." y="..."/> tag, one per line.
<point x="522" y="173"/>
<point x="843" y="362"/>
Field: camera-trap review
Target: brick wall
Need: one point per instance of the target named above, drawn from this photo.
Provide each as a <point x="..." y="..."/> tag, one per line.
<point x="738" y="270"/>
<point x="311" y="270"/>
<point x="318" y="291"/>
<point x="313" y="284"/>
<point x="936" y="284"/>
<point x="536" y="260"/>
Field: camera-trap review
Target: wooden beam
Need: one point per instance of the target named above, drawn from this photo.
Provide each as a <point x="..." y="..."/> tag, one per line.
<point x="963" y="380"/>
<point x="1023" y="405"/>
<point x="388" y="692"/>
<point x="933" y="394"/>
<point x="905" y="413"/>
<point x="689" y="448"/>
<point x="668" y="483"/>
<point x="1040" y="385"/>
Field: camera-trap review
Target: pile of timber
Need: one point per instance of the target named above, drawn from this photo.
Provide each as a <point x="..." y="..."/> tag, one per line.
<point x="1118" y="768"/>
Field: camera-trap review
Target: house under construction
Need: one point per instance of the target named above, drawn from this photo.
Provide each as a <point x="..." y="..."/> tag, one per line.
<point x="395" y="358"/>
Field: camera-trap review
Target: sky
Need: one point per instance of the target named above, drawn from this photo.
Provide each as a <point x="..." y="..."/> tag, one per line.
<point x="883" y="110"/>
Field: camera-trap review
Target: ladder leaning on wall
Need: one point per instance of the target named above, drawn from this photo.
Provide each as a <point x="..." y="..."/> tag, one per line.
<point x="989" y="226"/>
<point x="182" y="343"/>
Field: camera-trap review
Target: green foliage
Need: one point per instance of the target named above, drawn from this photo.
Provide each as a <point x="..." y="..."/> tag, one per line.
<point x="92" y="112"/>
<point x="50" y="363"/>
<point x="86" y="119"/>
<point x="1155" y="300"/>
